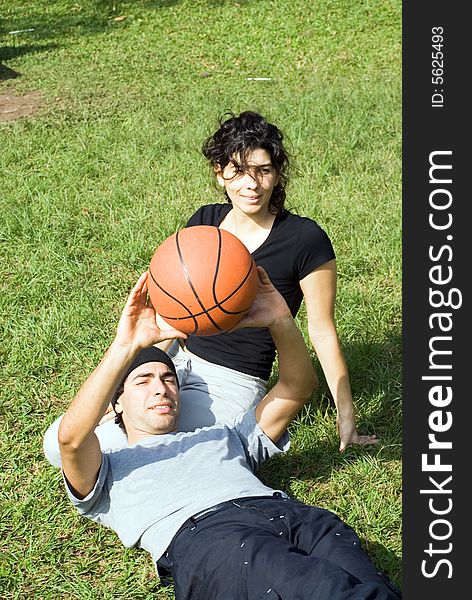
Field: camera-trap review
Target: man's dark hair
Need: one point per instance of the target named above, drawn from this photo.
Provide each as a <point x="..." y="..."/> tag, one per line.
<point x="238" y="136"/>
<point x="119" y="416"/>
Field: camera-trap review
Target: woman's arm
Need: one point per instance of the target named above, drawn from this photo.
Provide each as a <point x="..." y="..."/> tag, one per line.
<point x="319" y="290"/>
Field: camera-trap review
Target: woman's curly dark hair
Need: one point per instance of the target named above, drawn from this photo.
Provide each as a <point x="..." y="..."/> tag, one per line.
<point x="240" y="135"/>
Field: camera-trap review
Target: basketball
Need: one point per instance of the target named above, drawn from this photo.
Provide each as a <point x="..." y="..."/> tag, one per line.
<point x="202" y="280"/>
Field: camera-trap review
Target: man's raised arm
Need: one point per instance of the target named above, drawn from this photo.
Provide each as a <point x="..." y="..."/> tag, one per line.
<point x="80" y="450"/>
<point x="297" y="380"/>
<point x="297" y="377"/>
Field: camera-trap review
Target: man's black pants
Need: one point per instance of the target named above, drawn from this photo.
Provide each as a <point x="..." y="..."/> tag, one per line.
<point x="272" y="548"/>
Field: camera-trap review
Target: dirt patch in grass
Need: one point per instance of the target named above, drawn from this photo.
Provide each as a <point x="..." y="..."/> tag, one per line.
<point x="13" y="106"/>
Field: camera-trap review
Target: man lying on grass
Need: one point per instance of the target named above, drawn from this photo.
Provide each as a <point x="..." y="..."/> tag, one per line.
<point x="191" y="498"/>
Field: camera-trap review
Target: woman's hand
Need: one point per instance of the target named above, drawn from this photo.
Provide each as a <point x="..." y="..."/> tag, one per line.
<point x="348" y="435"/>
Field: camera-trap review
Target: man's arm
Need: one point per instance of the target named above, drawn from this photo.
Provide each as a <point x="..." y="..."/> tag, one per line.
<point x="80" y="450"/>
<point x="297" y="377"/>
<point x="81" y="455"/>
<point x="297" y="380"/>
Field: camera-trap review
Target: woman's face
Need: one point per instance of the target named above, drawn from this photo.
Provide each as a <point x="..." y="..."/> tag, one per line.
<point x="250" y="190"/>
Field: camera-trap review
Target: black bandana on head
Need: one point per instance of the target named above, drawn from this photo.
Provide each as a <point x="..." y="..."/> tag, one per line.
<point x="146" y="355"/>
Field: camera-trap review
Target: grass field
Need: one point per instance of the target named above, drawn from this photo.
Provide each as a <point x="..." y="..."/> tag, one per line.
<point x="110" y="164"/>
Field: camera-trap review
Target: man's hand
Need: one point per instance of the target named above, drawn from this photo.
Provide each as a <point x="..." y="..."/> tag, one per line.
<point x="268" y="307"/>
<point x="138" y="326"/>
<point x="348" y="435"/>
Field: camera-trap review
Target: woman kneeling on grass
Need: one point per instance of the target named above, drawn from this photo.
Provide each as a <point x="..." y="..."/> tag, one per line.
<point x="221" y="376"/>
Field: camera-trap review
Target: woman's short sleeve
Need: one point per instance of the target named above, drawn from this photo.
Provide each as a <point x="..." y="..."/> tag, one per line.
<point x="313" y="248"/>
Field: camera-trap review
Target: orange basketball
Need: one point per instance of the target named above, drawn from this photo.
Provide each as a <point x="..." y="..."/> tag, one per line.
<point x="202" y="280"/>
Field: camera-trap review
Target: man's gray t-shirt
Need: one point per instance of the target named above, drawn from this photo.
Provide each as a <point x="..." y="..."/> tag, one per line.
<point x="146" y="491"/>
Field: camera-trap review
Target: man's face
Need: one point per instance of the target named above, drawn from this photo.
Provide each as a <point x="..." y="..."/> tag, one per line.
<point x="150" y="401"/>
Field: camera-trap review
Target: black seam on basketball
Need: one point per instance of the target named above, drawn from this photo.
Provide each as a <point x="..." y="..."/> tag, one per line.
<point x="200" y="314"/>
<point x="218" y="305"/>
<point x="190" y="316"/>
<point x="229" y="312"/>
<point x="218" y="256"/>
<point x="189" y="281"/>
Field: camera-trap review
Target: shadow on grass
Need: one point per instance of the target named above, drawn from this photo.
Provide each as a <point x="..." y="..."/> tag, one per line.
<point x="93" y="20"/>
<point x="386" y="561"/>
<point x="375" y="371"/>
<point x="34" y="28"/>
<point x="375" y="365"/>
<point x="7" y="73"/>
<point x="12" y="52"/>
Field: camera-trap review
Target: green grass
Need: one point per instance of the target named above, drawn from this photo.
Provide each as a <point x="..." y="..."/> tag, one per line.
<point x="111" y="165"/>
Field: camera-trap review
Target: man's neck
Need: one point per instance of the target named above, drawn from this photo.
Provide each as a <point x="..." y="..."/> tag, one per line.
<point x="136" y="435"/>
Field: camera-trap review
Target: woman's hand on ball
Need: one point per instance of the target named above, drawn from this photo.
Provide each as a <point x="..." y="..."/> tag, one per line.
<point x="268" y="308"/>
<point x="138" y="325"/>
